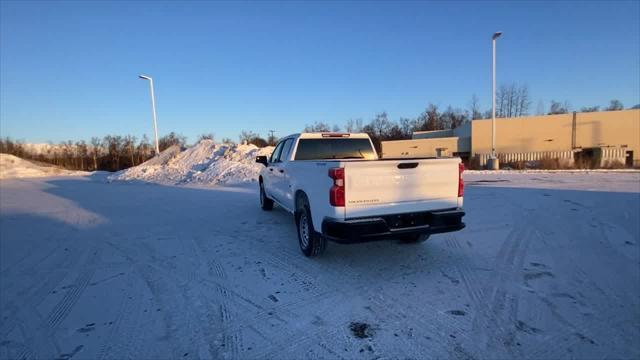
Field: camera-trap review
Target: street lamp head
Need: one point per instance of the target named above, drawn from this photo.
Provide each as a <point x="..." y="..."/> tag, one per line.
<point x="497" y="35"/>
<point x="144" y="77"/>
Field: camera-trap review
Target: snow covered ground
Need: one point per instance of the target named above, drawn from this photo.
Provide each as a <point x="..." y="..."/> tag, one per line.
<point x="15" y="167"/>
<point x="547" y="268"/>
<point x="204" y="163"/>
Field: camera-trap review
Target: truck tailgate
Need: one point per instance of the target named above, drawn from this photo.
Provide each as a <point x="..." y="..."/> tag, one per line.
<point x="385" y="187"/>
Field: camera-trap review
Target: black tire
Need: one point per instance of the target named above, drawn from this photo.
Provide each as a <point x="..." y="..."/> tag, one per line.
<point x="414" y="238"/>
<point x="265" y="203"/>
<point x="311" y="242"/>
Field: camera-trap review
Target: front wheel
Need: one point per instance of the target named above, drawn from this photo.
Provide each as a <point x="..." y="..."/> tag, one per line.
<point x="311" y="243"/>
<point x="265" y="203"/>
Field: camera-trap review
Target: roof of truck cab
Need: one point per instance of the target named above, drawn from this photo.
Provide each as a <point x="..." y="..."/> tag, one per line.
<point x="332" y="135"/>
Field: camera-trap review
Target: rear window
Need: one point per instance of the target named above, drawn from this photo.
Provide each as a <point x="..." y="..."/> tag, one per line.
<point x="316" y="149"/>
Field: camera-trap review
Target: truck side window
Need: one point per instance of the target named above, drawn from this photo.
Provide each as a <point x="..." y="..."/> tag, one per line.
<point x="275" y="155"/>
<point x="285" y="150"/>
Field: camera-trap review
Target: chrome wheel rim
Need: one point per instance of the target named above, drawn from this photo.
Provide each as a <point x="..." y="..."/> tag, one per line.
<point x="303" y="228"/>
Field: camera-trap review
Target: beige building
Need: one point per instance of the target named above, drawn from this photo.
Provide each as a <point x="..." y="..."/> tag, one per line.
<point x="595" y="137"/>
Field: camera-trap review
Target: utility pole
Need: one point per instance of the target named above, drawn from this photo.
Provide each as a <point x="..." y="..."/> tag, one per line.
<point x="271" y="137"/>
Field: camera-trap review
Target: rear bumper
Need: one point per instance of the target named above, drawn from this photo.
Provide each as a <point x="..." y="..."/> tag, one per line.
<point x="394" y="225"/>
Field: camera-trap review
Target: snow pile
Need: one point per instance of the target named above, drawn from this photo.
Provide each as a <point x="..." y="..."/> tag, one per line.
<point x="14" y="167"/>
<point x="164" y="157"/>
<point x="205" y="163"/>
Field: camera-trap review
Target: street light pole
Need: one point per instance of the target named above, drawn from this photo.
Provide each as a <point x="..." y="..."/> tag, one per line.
<point x="494" y="161"/>
<point x="153" y="109"/>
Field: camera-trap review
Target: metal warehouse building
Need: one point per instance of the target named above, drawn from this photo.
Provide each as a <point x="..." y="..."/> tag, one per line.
<point x="598" y="138"/>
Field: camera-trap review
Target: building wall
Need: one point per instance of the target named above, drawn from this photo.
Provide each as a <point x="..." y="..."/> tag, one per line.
<point x="532" y="138"/>
<point x="432" y="134"/>
<point x="553" y="133"/>
<point x="419" y="147"/>
<point x="463" y="130"/>
<point x="522" y="135"/>
<point x="609" y="128"/>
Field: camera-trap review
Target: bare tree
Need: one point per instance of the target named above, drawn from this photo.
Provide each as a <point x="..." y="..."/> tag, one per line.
<point x="258" y="141"/>
<point x="558" y="108"/>
<point x="615" y="105"/>
<point x="523" y="101"/>
<point x="246" y="136"/>
<point x="209" y="136"/>
<point x="432" y="118"/>
<point x="272" y="139"/>
<point x="452" y="118"/>
<point x="512" y="101"/>
<point x="98" y="154"/>
<point x="144" y="149"/>
<point x="69" y="156"/>
<point x="353" y="126"/>
<point x="406" y="127"/>
<point x="474" y="107"/>
<point x="317" y="126"/>
<point x="82" y="151"/>
<point x="96" y="149"/>
<point x="129" y="144"/>
<point x="113" y="146"/>
<point x="590" y="109"/>
<point x="381" y="124"/>
<point x="501" y="101"/>
<point x="172" y="139"/>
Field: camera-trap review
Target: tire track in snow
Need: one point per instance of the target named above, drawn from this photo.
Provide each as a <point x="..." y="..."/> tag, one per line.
<point x="41" y="338"/>
<point x="446" y="330"/>
<point x="64" y="307"/>
<point x="496" y="319"/>
<point x="583" y="330"/>
<point x="21" y="294"/>
<point x="425" y="319"/>
<point x="122" y="332"/>
<point x="230" y="341"/>
<point x="22" y="306"/>
<point x="294" y="305"/>
<point x="189" y="285"/>
<point x="470" y="281"/>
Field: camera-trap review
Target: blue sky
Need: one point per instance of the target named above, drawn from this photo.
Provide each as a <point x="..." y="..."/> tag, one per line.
<point x="68" y="70"/>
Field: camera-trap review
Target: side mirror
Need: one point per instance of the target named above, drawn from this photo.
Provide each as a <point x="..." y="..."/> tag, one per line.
<point x="262" y="160"/>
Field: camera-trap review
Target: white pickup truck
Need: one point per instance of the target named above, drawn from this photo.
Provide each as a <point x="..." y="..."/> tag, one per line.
<point x="339" y="190"/>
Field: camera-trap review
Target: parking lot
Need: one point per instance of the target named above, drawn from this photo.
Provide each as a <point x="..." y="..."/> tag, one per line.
<point x="547" y="267"/>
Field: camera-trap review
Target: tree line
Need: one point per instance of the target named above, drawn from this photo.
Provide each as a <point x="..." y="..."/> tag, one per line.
<point x="110" y="153"/>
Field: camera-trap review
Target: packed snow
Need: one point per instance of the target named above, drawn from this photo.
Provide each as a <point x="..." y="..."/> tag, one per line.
<point x="590" y="180"/>
<point x="547" y="268"/>
<point x="205" y="163"/>
<point x="14" y="167"/>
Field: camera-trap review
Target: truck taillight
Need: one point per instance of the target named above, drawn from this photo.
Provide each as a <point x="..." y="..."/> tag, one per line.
<point x="337" y="193"/>
<point x="460" y="181"/>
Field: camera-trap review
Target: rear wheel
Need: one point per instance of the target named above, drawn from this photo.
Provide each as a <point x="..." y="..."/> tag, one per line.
<point x="414" y="238"/>
<point x="265" y="203"/>
<point x="311" y="242"/>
